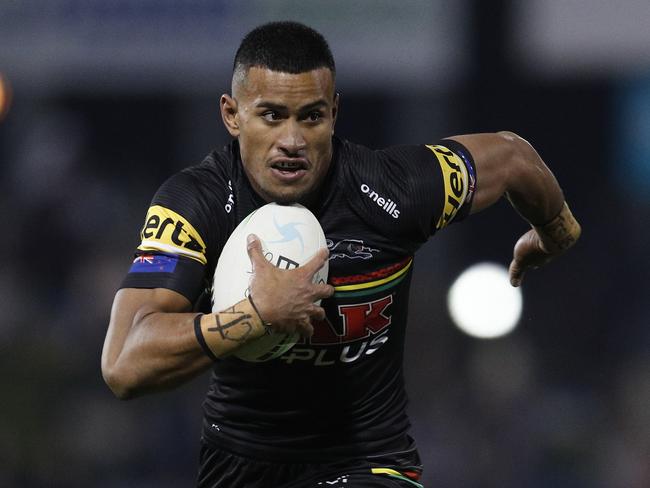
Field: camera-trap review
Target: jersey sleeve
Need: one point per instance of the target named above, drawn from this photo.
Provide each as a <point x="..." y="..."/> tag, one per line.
<point x="174" y="239"/>
<point x="414" y="190"/>
<point x="439" y="184"/>
<point x="458" y="174"/>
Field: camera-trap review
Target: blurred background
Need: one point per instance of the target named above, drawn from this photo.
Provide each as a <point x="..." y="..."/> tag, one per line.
<point x="101" y="100"/>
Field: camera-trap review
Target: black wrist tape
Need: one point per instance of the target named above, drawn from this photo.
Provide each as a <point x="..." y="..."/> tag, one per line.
<point x="200" y="339"/>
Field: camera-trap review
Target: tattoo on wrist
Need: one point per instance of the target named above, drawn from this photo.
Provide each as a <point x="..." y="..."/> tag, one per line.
<point x="220" y="333"/>
<point x="233" y="325"/>
<point x="562" y="231"/>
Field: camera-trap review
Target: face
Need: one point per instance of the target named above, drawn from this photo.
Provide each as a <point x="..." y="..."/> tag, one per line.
<point x="284" y="123"/>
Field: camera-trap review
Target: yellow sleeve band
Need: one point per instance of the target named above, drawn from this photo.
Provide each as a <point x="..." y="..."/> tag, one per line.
<point x="165" y="230"/>
<point x="456" y="183"/>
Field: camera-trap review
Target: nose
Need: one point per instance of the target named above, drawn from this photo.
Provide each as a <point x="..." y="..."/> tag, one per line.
<point x="291" y="140"/>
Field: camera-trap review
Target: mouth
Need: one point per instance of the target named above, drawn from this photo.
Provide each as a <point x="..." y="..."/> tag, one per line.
<point x="289" y="169"/>
<point x="289" y="164"/>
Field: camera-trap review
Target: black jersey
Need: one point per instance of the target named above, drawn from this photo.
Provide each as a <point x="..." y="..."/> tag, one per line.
<point x="341" y="392"/>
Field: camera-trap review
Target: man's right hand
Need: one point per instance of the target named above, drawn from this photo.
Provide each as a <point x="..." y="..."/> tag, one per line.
<point x="285" y="298"/>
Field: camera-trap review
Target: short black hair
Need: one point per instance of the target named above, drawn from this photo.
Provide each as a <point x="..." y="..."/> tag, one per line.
<point x="289" y="47"/>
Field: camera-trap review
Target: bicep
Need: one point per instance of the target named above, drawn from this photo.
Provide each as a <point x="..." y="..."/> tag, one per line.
<point x="130" y="302"/>
<point x="493" y="155"/>
<point x="508" y="164"/>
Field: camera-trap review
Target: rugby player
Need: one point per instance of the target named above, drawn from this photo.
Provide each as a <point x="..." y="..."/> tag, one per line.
<point x="330" y="411"/>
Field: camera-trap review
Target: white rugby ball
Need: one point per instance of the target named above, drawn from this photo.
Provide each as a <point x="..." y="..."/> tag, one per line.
<point x="290" y="236"/>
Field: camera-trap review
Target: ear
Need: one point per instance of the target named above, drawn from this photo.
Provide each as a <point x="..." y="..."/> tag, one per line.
<point x="335" y="110"/>
<point x="228" y="106"/>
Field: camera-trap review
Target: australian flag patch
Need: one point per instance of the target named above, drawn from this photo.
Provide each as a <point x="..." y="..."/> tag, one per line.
<point x="154" y="263"/>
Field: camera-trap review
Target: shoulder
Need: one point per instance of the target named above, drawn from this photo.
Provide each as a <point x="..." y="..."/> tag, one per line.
<point x="405" y="188"/>
<point x="401" y="168"/>
<point x="189" y="209"/>
<point x="203" y="186"/>
<point x="211" y="174"/>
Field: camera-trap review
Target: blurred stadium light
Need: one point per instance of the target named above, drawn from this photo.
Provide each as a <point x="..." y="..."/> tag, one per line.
<point x="482" y="303"/>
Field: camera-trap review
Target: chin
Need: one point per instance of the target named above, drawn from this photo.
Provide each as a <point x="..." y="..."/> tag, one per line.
<point x="289" y="197"/>
<point x="285" y="199"/>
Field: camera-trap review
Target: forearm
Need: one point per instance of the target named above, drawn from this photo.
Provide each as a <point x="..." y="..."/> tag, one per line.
<point x="150" y="348"/>
<point x="507" y="165"/>
<point x="529" y="185"/>
<point x="220" y="334"/>
<point x="534" y="192"/>
<point x="160" y="353"/>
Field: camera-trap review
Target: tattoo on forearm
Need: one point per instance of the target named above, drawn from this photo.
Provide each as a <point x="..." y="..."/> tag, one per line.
<point x="563" y="230"/>
<point x="232" y="325"/>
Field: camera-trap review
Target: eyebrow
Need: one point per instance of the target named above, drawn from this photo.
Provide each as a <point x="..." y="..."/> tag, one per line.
<point x="305" y="108"/>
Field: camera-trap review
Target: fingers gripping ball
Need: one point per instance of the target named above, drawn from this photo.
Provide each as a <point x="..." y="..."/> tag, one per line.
<point x="290" y="236"/>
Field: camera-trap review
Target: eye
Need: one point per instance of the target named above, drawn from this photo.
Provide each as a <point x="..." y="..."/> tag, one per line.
<point x="314" y="116"/>
<point x="271" y="116"/>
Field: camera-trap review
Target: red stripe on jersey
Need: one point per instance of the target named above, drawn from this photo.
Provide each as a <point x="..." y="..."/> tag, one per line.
<point x="373" y="275"/>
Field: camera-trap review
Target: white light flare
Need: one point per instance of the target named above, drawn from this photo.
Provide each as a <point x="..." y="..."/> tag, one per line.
<point x="482" y="303"/>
